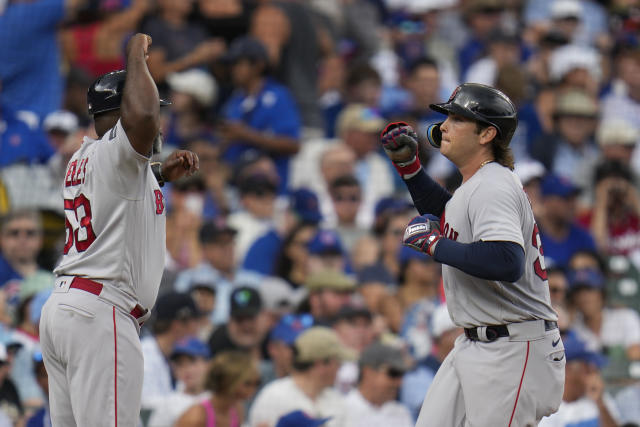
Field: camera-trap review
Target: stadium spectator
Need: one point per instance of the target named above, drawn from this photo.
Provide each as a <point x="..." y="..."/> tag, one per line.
<point x="232" y="379"/>
<point x="292" y="260"/>
<point x="571" y="152"/>
<point x="21" y="239"/>
<point x="176" y="318"/>
<point x="246" y="329"/>
<point x="41" y="417"/>
<point x="373" y="402"/>
<point x="584" y="400"/>
<point x="177" y="43"/>
<point x="346" y="196"/>
<point x="560" y="235"/>
<point x="598" y="326"/>
<point x="217" y="239"/>
<point x="189" y="361"/>
<point x="318" y="353"/>
<point x="28" y="34"/>
<point x="326" y="252"/>
<point x="193" y="94"/>
<point x="328" y="291"/>
<point x="443" y="333"/>
<point x="281" y="339"/>
<point x="260" y="113"/>
<point x="267" y="252"/>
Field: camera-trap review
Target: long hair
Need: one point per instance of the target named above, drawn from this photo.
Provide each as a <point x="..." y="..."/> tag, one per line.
<point x="500" y="149"/>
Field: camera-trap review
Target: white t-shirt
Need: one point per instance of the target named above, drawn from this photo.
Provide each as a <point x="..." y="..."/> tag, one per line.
<point x="171" y="407"/>
<point x="362" y="413"/>
<point x="283" y="396"/>
<point x="582" y="412"/>
<point x="620" y="327"/>
<point x="156" y="383"/>
<point x="114" y="217"/>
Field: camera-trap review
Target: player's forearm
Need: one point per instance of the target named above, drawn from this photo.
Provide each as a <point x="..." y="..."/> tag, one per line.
<point x="501" y="261"/>
<point x="140" y="103"/>
<point x="428" y="196"/>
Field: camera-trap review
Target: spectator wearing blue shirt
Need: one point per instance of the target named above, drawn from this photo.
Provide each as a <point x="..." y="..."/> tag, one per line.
<point x="263" y="253"/>
<point x="561" y="237"/>
<point x="29" y="54"/>
<point x="20" y="142"/>
<point x="260" y="113"/>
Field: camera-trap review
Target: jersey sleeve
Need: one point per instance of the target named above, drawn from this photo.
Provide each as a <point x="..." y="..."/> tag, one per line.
<point x="495" y="211"/>
<point x="287" y="117"/>
<point x="119" y="165"/>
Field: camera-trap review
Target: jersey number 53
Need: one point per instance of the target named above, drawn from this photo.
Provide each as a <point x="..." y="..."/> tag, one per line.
<point x="77" y="223"/>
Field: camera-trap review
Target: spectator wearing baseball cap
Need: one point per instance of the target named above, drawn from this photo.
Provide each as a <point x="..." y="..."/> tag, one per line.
<point x="328" y="291"/>
<point x="531" y="173"/>
<point x="373" y="402"/>
<point x="560" y="234"/>
<point x="318" y="354"/>
<point x="300" y="419"/>
<point x="216" y="272"/>
<point x="274" y="124"/>
<point x="359" y="126"/>
<point x="175" y="317"/>
<point x="346" y="196"/>
<point x="326" y="252"/>
<point x="584" y="401"/>
<point x="617" y="139"/>
<point x="189" y="361"/>
<point x="245" y="330"/>
<point x="597" y="325"/>
<point x="281" y="340"/>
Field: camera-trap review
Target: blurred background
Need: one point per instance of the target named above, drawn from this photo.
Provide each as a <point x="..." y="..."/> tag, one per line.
<point x="296" y="217"/>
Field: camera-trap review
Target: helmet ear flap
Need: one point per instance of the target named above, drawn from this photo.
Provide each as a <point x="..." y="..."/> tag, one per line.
<point x="434" y="135"/>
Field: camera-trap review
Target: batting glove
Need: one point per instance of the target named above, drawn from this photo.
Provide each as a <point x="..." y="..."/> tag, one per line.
<point x="400" y="142"/>
<point x="422" y="233"/>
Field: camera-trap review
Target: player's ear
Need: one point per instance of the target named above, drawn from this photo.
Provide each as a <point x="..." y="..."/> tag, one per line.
<point x="488" y="134"/>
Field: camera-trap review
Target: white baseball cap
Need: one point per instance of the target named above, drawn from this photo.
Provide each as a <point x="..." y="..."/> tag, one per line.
<point x="441" y="321"/>
<point x="570" y="57"/>
<point x="424" y="6"/>
<point x="616" y="131"/>
<point x="528" y="170"/>
<point x="61" y="120"/>
<point x="197" y="83"/>
<point x="562" y="9"/>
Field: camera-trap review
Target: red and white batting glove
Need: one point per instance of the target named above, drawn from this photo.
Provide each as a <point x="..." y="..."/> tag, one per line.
<point x="400" y="142"/>
<point x="422" y="234"/>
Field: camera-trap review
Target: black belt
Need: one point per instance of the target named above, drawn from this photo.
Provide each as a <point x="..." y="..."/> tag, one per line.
<point x="498" y="331"/>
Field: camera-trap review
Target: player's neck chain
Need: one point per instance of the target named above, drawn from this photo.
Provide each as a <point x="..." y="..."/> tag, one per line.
<point x="486" y="162"/>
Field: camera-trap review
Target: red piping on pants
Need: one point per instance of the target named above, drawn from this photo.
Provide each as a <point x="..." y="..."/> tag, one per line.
<point x="520" y="386"/>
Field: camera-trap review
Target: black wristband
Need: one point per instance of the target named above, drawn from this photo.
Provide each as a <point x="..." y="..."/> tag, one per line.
<point x="156" y="168"/>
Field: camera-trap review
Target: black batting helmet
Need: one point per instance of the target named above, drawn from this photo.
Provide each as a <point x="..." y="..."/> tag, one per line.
<point x="105" y="94"/>
<point x="484" y="104"/>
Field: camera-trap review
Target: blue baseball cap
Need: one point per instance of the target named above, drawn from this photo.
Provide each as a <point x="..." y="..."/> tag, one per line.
<point x="391" y="204"/>
<point x="406" y="254"/>
<point x="585" y="278"/>
<point x="246" y="47"/>
<point x="575" y="349"/>
<point x="300" y="419"/>
<point x="305" y="204"/>
<point x="326" y="242"/>
<point x="191" y="347"/>
<point x="290" y="326"/>
<point x="555" y="185"/>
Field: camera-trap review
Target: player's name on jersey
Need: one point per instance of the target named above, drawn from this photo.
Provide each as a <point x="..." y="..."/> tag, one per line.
<point x="76" y="172"/>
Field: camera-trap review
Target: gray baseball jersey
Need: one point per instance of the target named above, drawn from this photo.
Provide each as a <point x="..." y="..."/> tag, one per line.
<point x="115" y="218"/>
<point x="492" y="206"/>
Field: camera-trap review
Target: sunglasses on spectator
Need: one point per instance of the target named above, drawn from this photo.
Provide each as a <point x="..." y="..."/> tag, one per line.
<point x="344" y="198"/>
<point x="27" y="232"/>
<point x="394" y="373"/>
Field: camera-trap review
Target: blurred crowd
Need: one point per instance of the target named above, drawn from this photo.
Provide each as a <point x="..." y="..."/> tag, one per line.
<point x="287" y="298"/>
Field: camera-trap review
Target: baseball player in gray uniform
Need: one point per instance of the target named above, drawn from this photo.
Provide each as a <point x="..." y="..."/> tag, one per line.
<point x="114" y="254"/>
<point x="508" y="367"/>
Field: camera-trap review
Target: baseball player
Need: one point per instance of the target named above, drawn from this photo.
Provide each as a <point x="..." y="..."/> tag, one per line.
<point x="507" y="369"/>
<point x="114" y="254"/>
